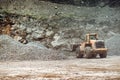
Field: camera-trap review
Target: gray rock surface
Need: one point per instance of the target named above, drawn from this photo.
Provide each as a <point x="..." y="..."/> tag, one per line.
<point x="113" y="45"/>
<point x="29" y="30"/>
<point x="13" y="50"/>
<point x="37" y="35"/>
<point x="37" y="45"/>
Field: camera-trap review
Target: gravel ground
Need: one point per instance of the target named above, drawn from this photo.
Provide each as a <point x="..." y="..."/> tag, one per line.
<point x="73" y="69"/>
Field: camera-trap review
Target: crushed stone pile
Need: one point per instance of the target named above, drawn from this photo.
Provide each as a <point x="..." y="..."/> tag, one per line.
<point x="113" y="45"/>
<point x="13" y="50"/>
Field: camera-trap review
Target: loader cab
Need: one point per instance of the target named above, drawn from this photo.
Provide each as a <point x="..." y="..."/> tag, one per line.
<point x="92" y="36"/>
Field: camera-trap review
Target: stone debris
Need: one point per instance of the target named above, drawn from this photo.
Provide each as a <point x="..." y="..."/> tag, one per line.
<point x="113" y="45"/>
<point x="14" y="50"/>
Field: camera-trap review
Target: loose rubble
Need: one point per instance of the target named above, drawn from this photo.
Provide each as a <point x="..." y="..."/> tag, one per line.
<point x="113" y="45"/>
<point x="14" y="50"/>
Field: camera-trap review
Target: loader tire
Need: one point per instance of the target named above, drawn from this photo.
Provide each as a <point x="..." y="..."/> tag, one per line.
<point x="88" y="53"/>
<point x="94" y="55"/>
<point x="78" y="53"/>
<point x="103" y="55"/>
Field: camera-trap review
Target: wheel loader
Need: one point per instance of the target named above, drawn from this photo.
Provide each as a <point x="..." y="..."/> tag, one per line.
<point x="91" y="47"/>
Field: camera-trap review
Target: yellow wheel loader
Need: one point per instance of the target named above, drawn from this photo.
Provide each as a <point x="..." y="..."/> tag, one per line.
<point x="91" y="47"/>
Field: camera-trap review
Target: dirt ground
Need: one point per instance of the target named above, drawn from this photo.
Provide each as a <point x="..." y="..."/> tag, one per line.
<point x="72" y="69"/>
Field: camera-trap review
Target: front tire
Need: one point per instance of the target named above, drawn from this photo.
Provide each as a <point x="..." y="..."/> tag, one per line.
<point x="88" y="53"/>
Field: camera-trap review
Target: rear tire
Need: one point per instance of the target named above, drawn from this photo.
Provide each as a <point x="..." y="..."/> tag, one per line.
<point x="103" y="55"/>
<point x="88" y="53"/>
<point x="78" y="53"/>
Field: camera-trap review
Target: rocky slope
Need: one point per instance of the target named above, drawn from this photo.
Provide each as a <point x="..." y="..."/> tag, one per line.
<point x="58" y="25"/>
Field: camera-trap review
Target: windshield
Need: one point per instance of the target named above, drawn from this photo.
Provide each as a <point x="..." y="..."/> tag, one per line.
<point x="92" y="37"/>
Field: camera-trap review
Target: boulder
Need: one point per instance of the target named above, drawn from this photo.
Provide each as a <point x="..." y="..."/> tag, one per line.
<point x="55" y="42"/>
<point x="14" y="27"/>
<point x="37" y="35"/>
<point x="61" y="44"/>
<point x="49" y="33"/>
<point x="22" y="27"/>
<point x="29" y="30"/>
<point x="17" y="38"/>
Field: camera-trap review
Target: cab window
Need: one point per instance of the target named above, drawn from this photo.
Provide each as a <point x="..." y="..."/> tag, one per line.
<point x="93" y="37"/>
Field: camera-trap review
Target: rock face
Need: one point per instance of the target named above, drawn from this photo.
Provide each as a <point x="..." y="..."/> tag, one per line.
<point x="58" y="26"/>
<point x="88" y="2"/>
<point x="52" y="35"/>
<point x="13" y="50"/>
